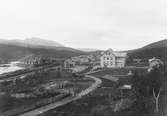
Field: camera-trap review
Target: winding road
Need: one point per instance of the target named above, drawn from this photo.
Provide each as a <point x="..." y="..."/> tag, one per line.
<point x="43" y="109"/>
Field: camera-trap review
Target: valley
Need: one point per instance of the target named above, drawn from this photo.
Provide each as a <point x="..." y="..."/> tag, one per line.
<point x="57" y="80"/>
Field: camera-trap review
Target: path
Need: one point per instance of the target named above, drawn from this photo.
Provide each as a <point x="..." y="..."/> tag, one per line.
<point x="66" y="100"/>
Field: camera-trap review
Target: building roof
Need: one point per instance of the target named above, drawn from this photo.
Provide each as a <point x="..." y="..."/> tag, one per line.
<point x="120" y="54"/>
<point x="117" y="54"/>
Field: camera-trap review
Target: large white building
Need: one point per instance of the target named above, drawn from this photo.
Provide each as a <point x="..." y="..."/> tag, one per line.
<point x="113" y="59"/>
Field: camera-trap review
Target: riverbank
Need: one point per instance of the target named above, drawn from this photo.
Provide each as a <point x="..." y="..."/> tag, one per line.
<point x="11" y="67"/>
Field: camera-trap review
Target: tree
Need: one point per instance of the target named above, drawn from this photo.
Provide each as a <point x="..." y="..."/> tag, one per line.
<point x="155" y="85"/>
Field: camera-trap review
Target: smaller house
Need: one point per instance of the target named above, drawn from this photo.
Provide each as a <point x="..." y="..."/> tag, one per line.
<point x="154" y="62"/>
<point x="83" y="59"/>
<point x="126" y="87"/>
<point x="69" y="63"/>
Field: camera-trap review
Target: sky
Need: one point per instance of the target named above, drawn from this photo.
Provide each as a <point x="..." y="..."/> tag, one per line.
<point x="100" y="24"/>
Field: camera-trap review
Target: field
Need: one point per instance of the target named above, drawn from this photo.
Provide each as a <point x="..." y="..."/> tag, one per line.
<point x="97" y="103"/>
<point x="100" y="102"/>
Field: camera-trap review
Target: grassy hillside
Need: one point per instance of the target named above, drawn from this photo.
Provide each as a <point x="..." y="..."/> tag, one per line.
<point x="157" y="49"/>
<point x="12" y="52"/>
<point x="158" y="44"/>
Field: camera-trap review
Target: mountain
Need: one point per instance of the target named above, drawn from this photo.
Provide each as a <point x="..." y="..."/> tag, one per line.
<point x="38" y="43"/>
<point x="11" y="42"/>
<point x="156" y="49"/>
<point x="17" y="49"/>
<point x="32" y="42"/>
<point x="13" y="52"/>
<point x="41" y="42"/>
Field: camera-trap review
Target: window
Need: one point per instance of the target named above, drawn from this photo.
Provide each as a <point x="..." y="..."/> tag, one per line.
<point x="110" y="63"/>
<point x="111" y="58"/>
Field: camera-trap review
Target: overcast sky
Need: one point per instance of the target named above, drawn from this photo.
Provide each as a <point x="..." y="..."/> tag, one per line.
<point x="102" y="24"/>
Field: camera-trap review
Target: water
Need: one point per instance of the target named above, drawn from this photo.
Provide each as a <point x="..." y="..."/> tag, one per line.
<point x="9" y="67"/>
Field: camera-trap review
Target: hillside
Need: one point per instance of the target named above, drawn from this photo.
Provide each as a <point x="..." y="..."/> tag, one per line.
<point x="158" y="44"/>
<point x="156" y="49"/>
<point x="13" y="52"/>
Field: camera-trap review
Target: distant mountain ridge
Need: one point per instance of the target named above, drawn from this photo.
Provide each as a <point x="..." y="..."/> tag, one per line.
<point x="41" y="42"/>
<point x="38" y="43"/>
<point x="17" y="49"/>
<point x="32" y="42"/>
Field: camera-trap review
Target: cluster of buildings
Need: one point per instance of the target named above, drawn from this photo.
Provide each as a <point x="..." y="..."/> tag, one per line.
<point x="78" y="60"/>
<point x="105" y="59"/>
<point x="108" y="59"/>
<point x="38" y="60"/>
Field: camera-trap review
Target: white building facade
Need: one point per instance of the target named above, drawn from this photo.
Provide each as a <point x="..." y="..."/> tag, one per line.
<point x="111" y="59"/>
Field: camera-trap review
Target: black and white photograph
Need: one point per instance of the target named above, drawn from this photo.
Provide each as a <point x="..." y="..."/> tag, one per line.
<point x="83" y="58"/>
